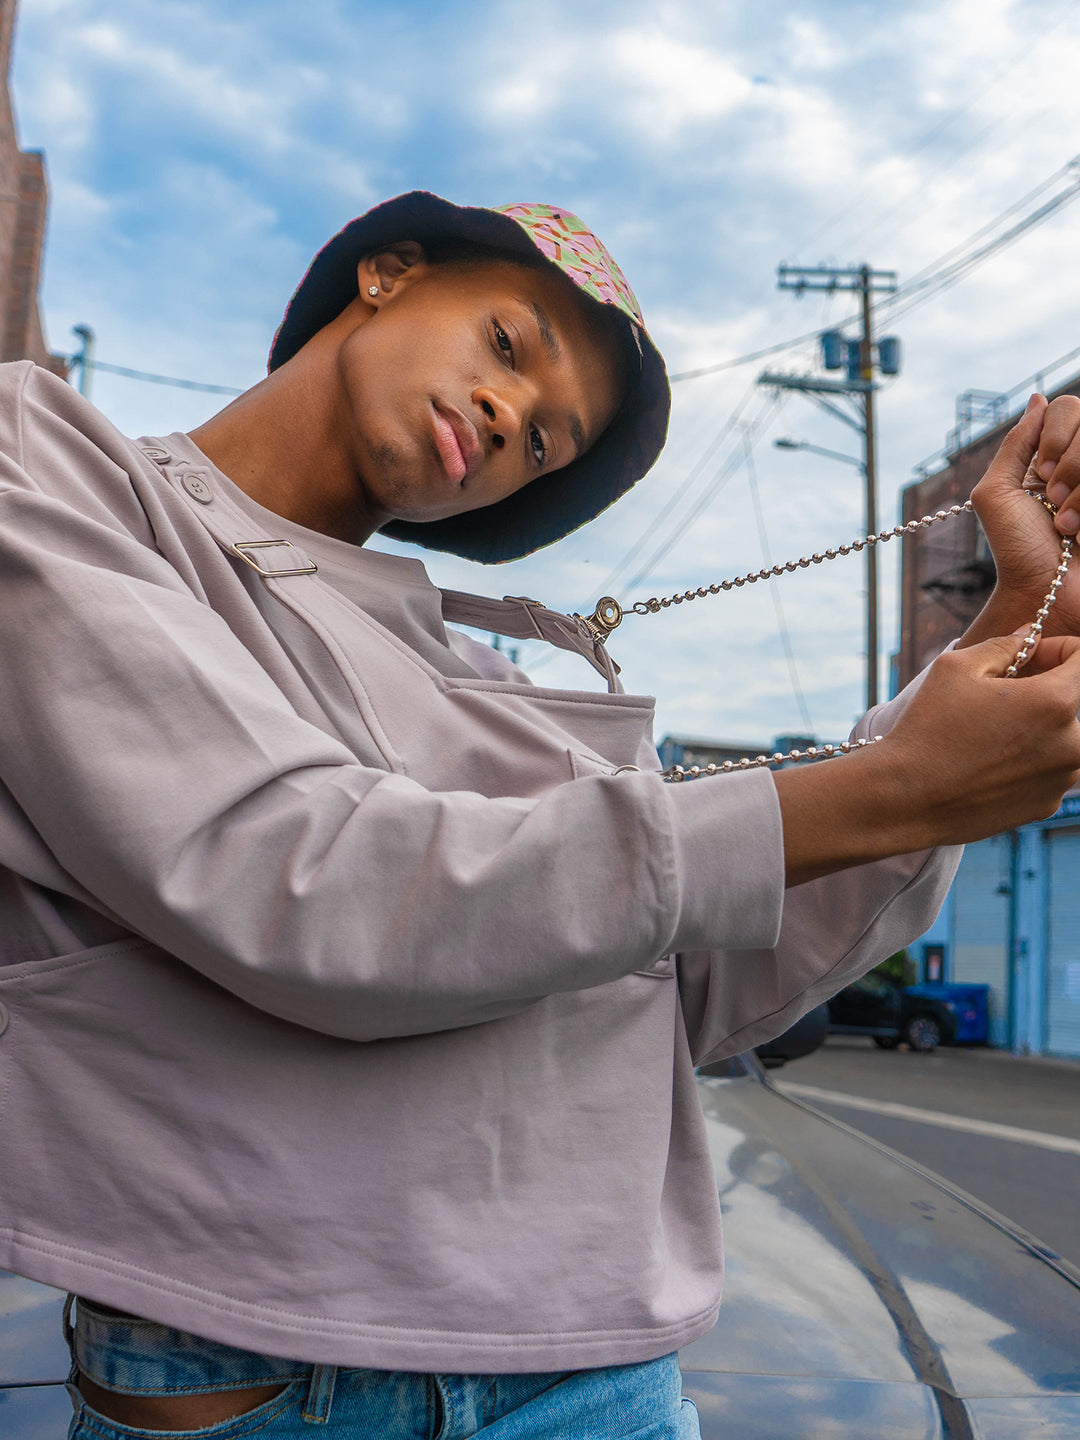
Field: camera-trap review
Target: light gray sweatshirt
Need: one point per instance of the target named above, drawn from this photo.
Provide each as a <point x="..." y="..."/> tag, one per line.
<point x="352" y="985"/>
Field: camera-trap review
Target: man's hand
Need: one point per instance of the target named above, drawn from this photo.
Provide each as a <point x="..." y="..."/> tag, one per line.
<point x="1058" y="462"/>
<point x="1024" y="538"/>
<point x="972" y="754"/>
<point x="981" y="753"/>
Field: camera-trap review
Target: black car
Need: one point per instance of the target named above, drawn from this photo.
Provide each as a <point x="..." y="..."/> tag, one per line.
<point x="865" y="1298"/>
<point x="875" y="1006"/>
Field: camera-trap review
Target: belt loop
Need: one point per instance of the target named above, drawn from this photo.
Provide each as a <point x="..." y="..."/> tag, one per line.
<point x="320" y="1395"/>
<point x="69" y="1329"/>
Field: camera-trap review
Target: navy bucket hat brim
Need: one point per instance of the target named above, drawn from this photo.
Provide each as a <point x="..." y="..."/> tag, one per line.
<point x="554" y="505"/>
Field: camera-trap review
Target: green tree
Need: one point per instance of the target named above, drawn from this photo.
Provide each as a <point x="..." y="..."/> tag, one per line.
<point x="897" y="968"/>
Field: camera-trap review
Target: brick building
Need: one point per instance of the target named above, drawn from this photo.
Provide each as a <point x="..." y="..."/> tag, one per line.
<point x="946" y="570"/>
<point x="23" y="204"/>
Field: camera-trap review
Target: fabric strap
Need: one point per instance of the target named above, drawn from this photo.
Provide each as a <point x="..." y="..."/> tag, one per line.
<point x="285" y="563"/>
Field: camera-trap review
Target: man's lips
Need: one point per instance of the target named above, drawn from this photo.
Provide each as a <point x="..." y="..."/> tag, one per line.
<point x="457" y="443"/>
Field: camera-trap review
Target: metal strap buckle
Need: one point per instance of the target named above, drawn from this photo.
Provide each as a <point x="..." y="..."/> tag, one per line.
<point x="243" y="546"/>
<point x="606" y="617"/>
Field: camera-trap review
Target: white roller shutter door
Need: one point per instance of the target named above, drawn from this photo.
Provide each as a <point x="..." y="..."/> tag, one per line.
<point x="980" y="927"/>
<point x="1063" y="943"/>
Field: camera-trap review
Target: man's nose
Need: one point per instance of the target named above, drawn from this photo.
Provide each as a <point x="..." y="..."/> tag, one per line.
<point x="503" y="413"/>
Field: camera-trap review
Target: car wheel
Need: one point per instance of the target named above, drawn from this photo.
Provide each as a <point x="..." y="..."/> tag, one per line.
<point x="886" y="1042"/>
<point x="923" y="1033"/>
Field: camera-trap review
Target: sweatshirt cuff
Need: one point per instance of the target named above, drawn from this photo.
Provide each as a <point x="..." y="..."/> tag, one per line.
<point x="882" y="718"/>
<point x="729" y="857"/>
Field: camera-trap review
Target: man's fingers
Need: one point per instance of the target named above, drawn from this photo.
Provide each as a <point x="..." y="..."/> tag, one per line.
<point x="1017" y="450"/>
<point x="994" y="656"/>
<point x="1060" y="425"/>
<point x="1058" y="462"/>
<point x="1049" y="653"/>
<point x="1056" y="662"/>
<point x="1068" y="647"/>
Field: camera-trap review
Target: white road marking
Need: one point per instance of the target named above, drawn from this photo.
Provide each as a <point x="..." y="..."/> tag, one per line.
<point x="990" y="1128"/>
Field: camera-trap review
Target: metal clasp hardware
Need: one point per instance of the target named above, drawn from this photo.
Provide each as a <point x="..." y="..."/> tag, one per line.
<point x="606" y="617"/>
<point x="242" y="546"/>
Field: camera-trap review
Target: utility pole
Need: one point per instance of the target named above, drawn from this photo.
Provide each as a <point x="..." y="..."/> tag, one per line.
<point x="83" y="357"/>
<point x="866" y="372"/>
<point x="858" y="387"/>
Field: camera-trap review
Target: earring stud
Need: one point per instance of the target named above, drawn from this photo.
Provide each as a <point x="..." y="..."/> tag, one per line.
<point x="372" y="289"/>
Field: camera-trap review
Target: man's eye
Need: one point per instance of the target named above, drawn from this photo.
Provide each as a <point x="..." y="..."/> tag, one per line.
<point x="503" y="341"/>
<point x="536" y="440"/>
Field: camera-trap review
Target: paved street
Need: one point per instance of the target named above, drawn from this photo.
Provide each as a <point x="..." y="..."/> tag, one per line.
<point x="1005" y="1128"/>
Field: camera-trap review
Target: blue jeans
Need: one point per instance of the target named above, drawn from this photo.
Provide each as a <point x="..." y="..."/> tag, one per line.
<point x="138" y="1357"/>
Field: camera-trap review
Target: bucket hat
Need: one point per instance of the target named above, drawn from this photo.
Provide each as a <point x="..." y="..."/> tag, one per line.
<point x="544" y="512"/>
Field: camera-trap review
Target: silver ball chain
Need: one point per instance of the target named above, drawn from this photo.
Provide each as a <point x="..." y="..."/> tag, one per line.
<point x="609" y="613"/>
<point x="654" y="606"/>
<point x="761" y="762"/>
<point x="1036" y="627"/>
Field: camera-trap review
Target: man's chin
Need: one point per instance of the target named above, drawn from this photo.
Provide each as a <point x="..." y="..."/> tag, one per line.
<point x="400" y="493"/>
<point x="420" y="512"/>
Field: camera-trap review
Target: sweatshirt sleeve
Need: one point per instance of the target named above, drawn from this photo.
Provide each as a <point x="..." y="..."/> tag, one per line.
<point x="144" y="749"/>
<point x="832" y="931"/>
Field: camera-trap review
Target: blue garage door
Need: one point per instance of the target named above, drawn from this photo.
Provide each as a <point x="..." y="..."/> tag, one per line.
<point x="1063" y="943"/>
<point x="979" y="954"/>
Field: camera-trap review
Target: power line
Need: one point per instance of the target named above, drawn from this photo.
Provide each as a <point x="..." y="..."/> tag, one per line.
<point x="744" y="359"/>
<point x="1023" y="387"/>
<point x="778" y="604"/>
<point x="158" y="379"/>
<point x="949" y="275"/>
<point x="882" y="227"/>
<point x="1039" y="376"/>
<point x="914" y="281"/>
<point x="674" y="500"/>
<point x="730" y="467"/>
<point x="984" y="86"/>
<point x="938" y="276"/>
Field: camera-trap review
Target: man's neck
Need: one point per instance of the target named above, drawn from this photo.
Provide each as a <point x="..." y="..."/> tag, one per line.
<point x="280" y="443"/>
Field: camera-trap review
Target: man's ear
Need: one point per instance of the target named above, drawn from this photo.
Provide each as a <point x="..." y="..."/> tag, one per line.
<point x="380" y="274"/>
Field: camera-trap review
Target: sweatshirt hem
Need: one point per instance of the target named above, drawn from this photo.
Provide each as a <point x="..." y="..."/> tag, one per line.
<point x="324" y="1340"/>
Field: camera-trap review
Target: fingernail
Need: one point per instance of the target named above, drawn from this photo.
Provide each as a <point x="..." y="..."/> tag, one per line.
<point x="1058" y="494"/>
<point x="1069" y="521"/>
<point x="1045" y="469"/>
<point x="1031" y="403"/>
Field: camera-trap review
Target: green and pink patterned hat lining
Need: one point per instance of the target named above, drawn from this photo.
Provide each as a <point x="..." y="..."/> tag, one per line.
<point x="568" y="241"/>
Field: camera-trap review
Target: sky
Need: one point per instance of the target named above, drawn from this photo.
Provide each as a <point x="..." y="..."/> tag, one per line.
<point x="199" y="154"/>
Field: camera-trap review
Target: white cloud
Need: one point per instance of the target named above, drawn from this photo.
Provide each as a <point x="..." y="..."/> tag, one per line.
<point x="200" y="153"/>
<point x="203" y="92"/>
<point x="809" y="47"/>
<point x="673" y="83"/>
<point x="67" y="100"/>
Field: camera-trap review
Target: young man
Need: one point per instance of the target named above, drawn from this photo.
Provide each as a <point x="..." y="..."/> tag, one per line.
<point x="353" y="986"/>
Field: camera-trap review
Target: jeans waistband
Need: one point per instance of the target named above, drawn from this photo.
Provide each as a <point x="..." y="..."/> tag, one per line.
<point x="140" y="1357"/>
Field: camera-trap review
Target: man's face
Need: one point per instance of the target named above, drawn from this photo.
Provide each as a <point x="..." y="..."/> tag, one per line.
<point x="469" y="382"/>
